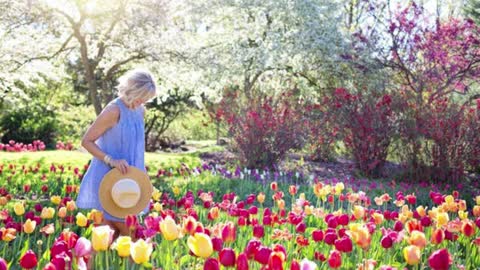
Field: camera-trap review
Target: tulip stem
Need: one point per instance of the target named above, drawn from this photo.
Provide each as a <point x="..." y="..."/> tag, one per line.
<point x="106" y="260"/>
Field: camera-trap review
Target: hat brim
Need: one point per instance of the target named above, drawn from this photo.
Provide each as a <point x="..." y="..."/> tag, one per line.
<point x="112" y="177"/>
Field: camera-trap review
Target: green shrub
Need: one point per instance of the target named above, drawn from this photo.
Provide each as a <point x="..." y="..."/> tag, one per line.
<point x="26" y="124"/>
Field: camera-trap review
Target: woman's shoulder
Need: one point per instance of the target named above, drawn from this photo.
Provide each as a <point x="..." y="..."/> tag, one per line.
<point x="111" y="112"/>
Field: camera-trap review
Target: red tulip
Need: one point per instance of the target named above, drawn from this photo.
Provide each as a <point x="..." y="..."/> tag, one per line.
<point x="292" y="190"/>
<point x="398" y="226"/>
<point x="330" y="238"/>
<point x="58" y="247"/>
<point x="242" y="262"/>
<point x="344" y="244"/>
<point x="437" y="236"/>
<point x="335" y="259"/>
<point x="343" y="219"/>
<point x="258" y="231"/>
<point x="468" y="229"/>
<point x="50" y="266"/>
<point x="3" y="264"/>
<point x="262" y="255"/>
<point x="131" y="221"/>
<point x="227" y="257"/>
<point x="317" y="235"/>
<point x="211" y="264"/>
<point x="440" y="260"/>
<point x="295" y="265"/>
<point x="301" y="227"/>
<point x="387" y="241"/>
<point x="252" y="248"/>
<point x="274" y="186"/>
<point x="275" y="261"/>
<point x="217" y="244"/>
<point x="60" y="260"/>
<point x="253" y="210"/>
<point x="425" y="221"/>
<point x="28" y="260"/>
<point x="229" y="232"/>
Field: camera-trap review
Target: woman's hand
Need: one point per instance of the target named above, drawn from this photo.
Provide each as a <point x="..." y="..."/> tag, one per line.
<point x="120" y="164"/>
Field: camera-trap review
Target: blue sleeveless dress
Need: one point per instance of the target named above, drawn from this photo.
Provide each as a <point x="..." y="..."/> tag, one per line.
<point x="125" y="140"/>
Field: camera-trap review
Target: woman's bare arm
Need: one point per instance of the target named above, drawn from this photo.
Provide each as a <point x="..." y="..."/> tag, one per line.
<point x="107" y="119"/>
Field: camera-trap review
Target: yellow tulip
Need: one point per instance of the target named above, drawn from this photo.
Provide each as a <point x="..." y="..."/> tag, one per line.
<point x="29" y="226"/>
<point x="442" y="219"/>
<point x="261" y="197"/>
<point x="176" y="190"/>
<point x="412" y="254"/>
<point x="308" y="210"/>
<point x="360" y="235"/>
<point x="449" y="199"/>
<point x="302" y="196"/>
<point x="200" y="244"/>
<point x="339" y="187"/>
<point x="476" y="210"/>
<point x="169" y="228"/>
<point x="56" y="199"/>
<point x="378" y="218"/>
<point x="101" y="237"/>
<point x="8" y="234"/>
<point x="421" y="211"/>
<point x="3" y="201"/>
<point x="156" y="194"/>
<point x="358" y="211"/>
<point x="47" y="213"/>
<point x="157" y="206"/>
<point x="81" y="220"/>
<point x="281" y="204"/>
<point x="19" y="209"/>
<point x="122" y="245"/>
<point x="462" y="214"/>
<point x="96" y="216"/>
<point x="62" y="212"/>
<point x="418" y="239"/>
<point x="141" y="251"/>
<point x="71" y="206"/>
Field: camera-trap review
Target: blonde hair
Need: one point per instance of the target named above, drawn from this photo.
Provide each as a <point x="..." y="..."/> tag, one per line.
<point x="136" y="84"/>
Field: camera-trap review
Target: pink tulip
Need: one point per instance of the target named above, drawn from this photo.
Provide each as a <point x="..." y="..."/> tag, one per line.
<point x="306" y="264"/>
<point x="242" y="262"/>
<point x="83" y="247"/>
<point x="227" y="257"/>
<point x="3" y="264"/>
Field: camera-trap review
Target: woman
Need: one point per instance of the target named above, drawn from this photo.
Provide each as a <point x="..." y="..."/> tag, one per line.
<point x="116" y="140"/>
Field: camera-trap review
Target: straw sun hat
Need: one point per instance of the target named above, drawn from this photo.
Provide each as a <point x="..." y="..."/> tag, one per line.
<point x="125" y="194"/>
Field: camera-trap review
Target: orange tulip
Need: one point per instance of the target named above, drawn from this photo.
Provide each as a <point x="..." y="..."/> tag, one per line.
<point x="418" y="239"/>
<point x="412" y="254"/>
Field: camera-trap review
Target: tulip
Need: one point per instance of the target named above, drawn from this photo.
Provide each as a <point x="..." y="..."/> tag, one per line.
<point x="58" y="247"/>
<point x="19" y="209"/>
<point x="229" y="232"/>
<point x="50" y="266"/>
<point x="258" y="231"/>
<point x="8" y="234"/>
<point x="200" y="244"/>
<point x="301" y="227"/>
<point x="386" y="242"/>
<point x="358" y="211"/>
<point x="261" y="197"/>
<point x="81" y="220"/>
<point x="344" y="244"/>
<point x="335" y="259"/>
<point x="157" y="206"/>
<point x="94" y="215"/>
<point x="189" y="225"/>
<point x="29" y="226"/>
<point x="252" y="248"/>
<point x="276" y="260"/>
<point x="69" y="237"/>
<point x="140" y="251"/>
<point x="360" y="235"/>
<point x="295" y="265"/>
<point x="262" y="255"/>
<point x="442" y="219"/>
<point x="292" y="189"/>
<point x="83" y="247"/>
<point x="60" y="260"/>
<point x="227" y="257"/>
<point x="274" y="186"/>
<point x="468" y="229"/>
<point x="412" y="254"/>
<point x="71" y="206"/>
<point x="217" y="244"/>
<point x="418" y="239"/>
<point x="56" y="199"/>
<point x="62" y="212"/>
<point x="169" y="228"/>
<point x="3" y="264"/>
<point x="437" y="236"/>
<point x="28" y="260"/>
<point x="378" y="218"/>
<point x="440" y="260"/>
<point x="101" y="237"/>
<point x="213" y="213"/>
<point x="47" y="213"/>
<point x="122" y="245"/>
<point x="211" y="264"/>
<point x="242" y="262"/>
<point x="317" y="235"/>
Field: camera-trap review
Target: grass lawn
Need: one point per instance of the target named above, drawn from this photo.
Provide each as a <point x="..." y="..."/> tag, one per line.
<point x="78" y="158"/>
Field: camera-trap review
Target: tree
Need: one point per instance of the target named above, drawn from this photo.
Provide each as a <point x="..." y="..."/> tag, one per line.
<point x="472" y="10"/>
<point x="103" y="36"/>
